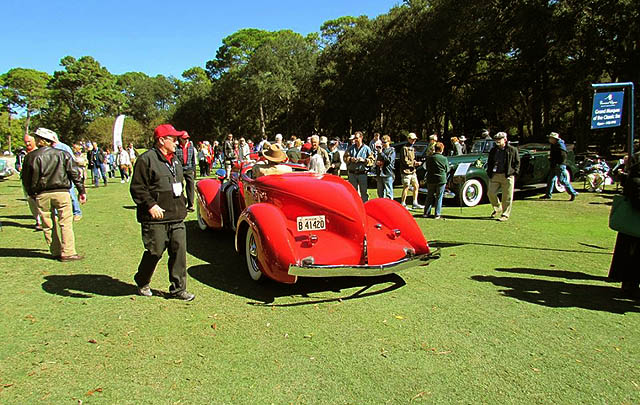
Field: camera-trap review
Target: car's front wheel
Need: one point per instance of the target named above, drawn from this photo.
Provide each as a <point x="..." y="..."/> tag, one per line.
<point x="471" y="193"/>
<point x="251" y="256"/>
<point x="201" y="224"/>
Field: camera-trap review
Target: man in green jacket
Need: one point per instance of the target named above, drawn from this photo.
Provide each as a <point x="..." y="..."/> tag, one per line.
<point x="156" y="188"/>
<point x="437" y="169"/>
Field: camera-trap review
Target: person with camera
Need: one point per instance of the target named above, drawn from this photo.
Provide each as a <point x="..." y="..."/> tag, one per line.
<point x="359" y="157"/>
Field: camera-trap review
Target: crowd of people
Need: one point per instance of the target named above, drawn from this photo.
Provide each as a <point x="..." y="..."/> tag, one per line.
<point x="163" y="183"/>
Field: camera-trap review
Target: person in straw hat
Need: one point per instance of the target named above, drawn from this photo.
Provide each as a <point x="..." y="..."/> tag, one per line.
<point x="273" y="156"/>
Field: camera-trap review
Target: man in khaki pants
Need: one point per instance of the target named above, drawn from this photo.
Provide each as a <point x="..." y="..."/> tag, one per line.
<point x="47" y="176"/>
<point x="503" y="165"/>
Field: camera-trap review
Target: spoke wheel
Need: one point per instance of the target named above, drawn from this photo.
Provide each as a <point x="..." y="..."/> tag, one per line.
<point x="251" y="256"/>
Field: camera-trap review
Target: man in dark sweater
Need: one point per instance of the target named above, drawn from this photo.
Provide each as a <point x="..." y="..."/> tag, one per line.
<point x="156" y="188"/>
<point x="503" y="166"/>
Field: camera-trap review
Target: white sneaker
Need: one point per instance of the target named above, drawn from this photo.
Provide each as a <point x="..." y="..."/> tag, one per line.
<point x="418" y="207"/>
<point x="405" y="205"/>
<point x="122" y="181"/>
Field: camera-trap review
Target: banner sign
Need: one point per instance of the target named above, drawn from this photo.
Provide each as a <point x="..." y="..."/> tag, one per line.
<point x="607" y="109"/>
<point x="117" y="132"/>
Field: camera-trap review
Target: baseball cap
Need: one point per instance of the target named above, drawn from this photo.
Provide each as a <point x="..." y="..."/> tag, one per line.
<point x="411" y="135"/>
<point x="166" y="130"/>
<point x="500" y="135"/>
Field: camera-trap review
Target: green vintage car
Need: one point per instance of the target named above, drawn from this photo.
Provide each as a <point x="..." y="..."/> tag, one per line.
<point x="468" y="185"/>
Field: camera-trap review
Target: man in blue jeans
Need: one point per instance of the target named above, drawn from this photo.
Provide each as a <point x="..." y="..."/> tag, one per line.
<point x="359" y="157"/>
<point x="558" y="167"/>
<point x="77" y="212"/>
<point x="97" y="158"/>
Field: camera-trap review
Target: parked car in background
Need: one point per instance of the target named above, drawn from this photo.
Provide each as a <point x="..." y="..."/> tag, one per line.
<point x="309" y="225"/>
<point x="470" y="186"/>
<point x="5" y="168"/>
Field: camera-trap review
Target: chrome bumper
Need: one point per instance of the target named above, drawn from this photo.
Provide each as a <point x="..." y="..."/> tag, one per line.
<point x="363" y="270"/>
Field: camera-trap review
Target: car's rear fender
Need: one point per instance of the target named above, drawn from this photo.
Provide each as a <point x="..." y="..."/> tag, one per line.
<point x="210" y="199"/>
<point x="392" y="215"/>
<point x="274" y="242"/>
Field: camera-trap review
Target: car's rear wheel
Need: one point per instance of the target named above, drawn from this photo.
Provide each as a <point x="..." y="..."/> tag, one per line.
<point x="471" y="193"/>
<point x="251" y="256"/>
<point x="558" y="186"/>
<point x="201" y="224"/>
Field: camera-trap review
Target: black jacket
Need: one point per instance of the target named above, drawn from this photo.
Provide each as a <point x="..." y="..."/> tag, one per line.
<point x="48" y="169"/>
<point x="152" y="183"/>
<point x="512" y="164"/>
<point x="632" y="181"/>
<point x="557" y="154"/>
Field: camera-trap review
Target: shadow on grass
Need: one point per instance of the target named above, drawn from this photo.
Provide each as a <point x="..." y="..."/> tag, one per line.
<point x="24" y="252"/>
<point x="569" y="275"/>
<point x="437" y="243"/>
<point x="560" y="294"/>
<point x="129" y="207"/>
<point x="87" y="285"/>
<point x="17" y="224"/>
<point x="227" y="272"/>
<point x="16" y="216"/>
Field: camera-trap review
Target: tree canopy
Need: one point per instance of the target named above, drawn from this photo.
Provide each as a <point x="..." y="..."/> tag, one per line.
<point x="522" y="66"/>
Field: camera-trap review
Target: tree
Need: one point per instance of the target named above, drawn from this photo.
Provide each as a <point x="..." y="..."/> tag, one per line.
<point x="236" y="50"/>
<point x="23" y="90"/>
<point x="100" y="130"/>
<point x="147" y="98"/>
<point x="82" y="92"/>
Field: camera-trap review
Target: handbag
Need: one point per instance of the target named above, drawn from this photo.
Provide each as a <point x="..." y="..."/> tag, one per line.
<point x="623" y="217"/>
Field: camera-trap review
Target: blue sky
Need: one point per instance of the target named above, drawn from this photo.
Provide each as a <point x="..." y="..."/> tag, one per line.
<point x="154" y="37"/>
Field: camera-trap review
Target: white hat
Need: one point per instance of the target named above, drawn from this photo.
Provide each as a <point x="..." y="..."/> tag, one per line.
<point x="500" y="135"/>
<point x="554" y="135"/>
<point x="47" y="134"/>
<point x="411" y="135"/>
<point x="462" y="138"/>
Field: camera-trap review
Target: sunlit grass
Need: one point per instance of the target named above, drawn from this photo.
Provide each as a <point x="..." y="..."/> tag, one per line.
<point x="514" y="312"/>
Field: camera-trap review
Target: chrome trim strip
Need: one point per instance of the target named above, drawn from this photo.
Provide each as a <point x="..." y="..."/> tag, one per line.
<point x="363" y="270"/>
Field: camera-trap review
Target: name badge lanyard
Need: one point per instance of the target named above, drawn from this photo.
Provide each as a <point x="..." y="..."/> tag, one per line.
<point x="172" y="169"/>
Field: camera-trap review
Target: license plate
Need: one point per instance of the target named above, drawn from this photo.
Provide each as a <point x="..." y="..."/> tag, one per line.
<point x="315" y="223"/>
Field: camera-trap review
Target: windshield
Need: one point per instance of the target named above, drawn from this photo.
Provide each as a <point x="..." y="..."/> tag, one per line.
<point x="420" y="149"/>
<point x="482" y="146"/>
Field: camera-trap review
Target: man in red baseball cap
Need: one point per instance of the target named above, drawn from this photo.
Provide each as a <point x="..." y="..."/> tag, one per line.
<point x="156" y="188"/>
<point x="186" y="155"/>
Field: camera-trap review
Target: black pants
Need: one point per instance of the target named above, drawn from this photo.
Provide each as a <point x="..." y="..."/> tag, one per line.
<point x="189" y="183"/>
<point x="204" y="168"/>
<point x="156" y="239"/>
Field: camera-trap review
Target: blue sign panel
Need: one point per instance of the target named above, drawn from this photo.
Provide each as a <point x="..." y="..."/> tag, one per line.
<point x="607" y="110"/>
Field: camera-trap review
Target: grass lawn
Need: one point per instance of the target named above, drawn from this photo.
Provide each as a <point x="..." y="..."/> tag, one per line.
<point x="515" y="312"/>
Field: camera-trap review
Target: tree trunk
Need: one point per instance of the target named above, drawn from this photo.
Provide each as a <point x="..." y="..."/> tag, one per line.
<point x="26" y="125"/>
<point x="9" y="126"/>
<point x="262" y="123"/>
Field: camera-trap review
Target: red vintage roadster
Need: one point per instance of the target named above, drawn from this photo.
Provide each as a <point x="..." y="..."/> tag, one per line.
<point x="310" y="225"/>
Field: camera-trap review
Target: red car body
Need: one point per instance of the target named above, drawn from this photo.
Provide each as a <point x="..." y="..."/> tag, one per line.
<point x="311" y="225"/>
